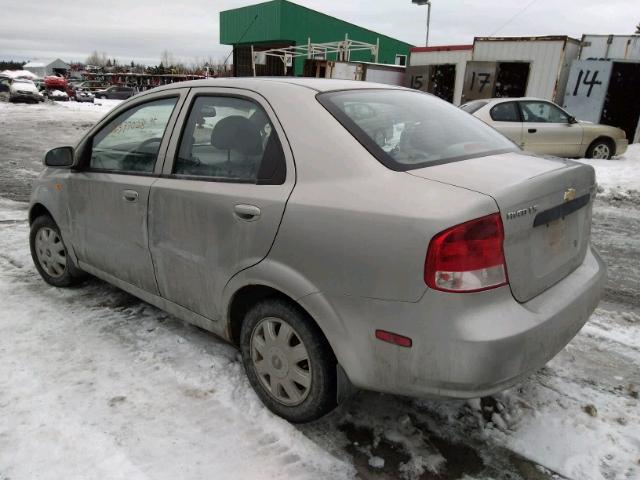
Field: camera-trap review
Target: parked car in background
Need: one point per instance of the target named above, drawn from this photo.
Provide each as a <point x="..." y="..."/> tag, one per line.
<point x="540" y="126"/>
<point x="81" y="94"/>
<point x="115" y="92"/>
<point x="57" y="95"/>
<point x="91" y="85"/>
<point x="476" y="270"/>
<point x="19" y="90"/>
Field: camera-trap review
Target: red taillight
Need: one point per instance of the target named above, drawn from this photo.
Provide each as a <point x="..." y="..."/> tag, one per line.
<point x="468" y="257"/>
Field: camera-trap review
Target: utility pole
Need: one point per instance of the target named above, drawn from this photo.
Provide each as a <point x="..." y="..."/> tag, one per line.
<point x="428" y="4"/>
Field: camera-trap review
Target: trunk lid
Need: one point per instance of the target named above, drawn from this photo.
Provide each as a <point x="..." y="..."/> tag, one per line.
<point x="545" y="205"/>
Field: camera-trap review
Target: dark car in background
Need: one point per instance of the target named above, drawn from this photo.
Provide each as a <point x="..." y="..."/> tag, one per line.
<point x="115" y="92"/>
<point x="91" y="85"/>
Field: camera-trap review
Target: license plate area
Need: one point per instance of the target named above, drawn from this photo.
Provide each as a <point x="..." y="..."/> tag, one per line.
<point x="555" y="244"/>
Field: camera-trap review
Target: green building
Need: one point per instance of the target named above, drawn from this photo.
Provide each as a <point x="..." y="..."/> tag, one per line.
<point x="280" y="23"/>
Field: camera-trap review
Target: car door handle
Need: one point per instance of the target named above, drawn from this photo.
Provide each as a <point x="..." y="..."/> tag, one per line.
<point x="130" y="195"/>
<point x="533" y="130"/>
<point x="246" y="212"/>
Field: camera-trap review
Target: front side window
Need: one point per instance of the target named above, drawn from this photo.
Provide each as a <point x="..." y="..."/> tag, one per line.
<point x="406" y="130"/>
<point x="230" y="138"/>
<point x="542" y="112"/>
<point x="505" y="112"/>
<point x="131" y="141"/>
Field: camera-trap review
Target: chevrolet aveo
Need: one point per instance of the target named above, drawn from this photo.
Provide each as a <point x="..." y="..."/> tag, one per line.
<point x="342" y="234"/>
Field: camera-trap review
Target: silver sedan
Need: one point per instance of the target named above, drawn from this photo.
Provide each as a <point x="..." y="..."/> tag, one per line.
<point x="542" y="127"/>
<point x="341" y="234"/>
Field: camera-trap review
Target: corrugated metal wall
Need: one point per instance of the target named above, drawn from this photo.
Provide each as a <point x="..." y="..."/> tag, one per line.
<point x="618" y="47"/>
<point x="546" y="57"/>
<point x="572" y="50"/>
<point x="242" y="21"/>
<point x="280" y="20"/>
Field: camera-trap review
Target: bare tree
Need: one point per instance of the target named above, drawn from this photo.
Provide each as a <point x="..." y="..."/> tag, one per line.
<point x="97" y="59"/>
<point x="166" y="58"/>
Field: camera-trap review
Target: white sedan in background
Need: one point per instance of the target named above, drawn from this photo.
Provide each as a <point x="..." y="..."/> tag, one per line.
<point x="540" y="126"/>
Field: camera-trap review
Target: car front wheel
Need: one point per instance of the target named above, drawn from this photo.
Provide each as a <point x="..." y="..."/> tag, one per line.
<point x="600" y="149"/>
<point x="50" y="255"/>
<point x="288" y="361"/>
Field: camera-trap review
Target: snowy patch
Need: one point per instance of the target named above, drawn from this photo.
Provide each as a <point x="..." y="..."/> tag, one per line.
<point x="19" y="74"/>
<point x="96" y="384"/>
<point x="99" y="105"/>
<point x="619" y="178"/>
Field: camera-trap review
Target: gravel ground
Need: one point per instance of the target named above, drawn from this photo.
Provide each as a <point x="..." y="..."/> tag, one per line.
<point x="97" y="384"/>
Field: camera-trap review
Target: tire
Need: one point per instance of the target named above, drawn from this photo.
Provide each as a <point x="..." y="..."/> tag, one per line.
<point x="602" y="149"/>
<point x="315" y="399"/>
<point x="50" y="256"/>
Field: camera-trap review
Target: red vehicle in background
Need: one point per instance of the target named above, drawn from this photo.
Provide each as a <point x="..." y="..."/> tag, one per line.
<point x="57" y="88"/>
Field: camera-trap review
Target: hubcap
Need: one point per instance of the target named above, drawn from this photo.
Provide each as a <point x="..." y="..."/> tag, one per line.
<point x="281" y="361"/>
<point x="601" y="151"/>
<point x="50" y="252"/>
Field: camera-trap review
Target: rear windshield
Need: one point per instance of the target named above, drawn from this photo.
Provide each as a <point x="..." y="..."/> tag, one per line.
<point x="406" y="130"/>
<point x="473" y="106"/>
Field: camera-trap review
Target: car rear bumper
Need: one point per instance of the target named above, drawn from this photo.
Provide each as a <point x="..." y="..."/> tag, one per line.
<point x="621" y="146"/>
<point x="464" y="345"/>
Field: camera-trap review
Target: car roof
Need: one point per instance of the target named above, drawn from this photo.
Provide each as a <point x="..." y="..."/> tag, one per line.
<point x="493" y="101"/>
<point x="264" y="84"/>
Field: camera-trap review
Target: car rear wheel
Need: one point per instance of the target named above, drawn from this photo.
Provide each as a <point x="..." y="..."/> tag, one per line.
<point x="600" y="149"/>
<point x="288" y="361"/>
<point x="50" y="255"/>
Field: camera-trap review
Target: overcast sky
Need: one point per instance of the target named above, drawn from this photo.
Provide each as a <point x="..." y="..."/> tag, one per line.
<point x="141" y="29"/>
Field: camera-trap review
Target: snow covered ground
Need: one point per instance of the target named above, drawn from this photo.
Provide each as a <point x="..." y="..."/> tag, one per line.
<point x="28" y="131"/>
<point x="618" y="177"/>
<point x="97" y="384"/>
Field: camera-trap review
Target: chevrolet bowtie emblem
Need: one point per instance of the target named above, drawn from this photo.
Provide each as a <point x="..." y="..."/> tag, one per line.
<point x="569" y="194"/>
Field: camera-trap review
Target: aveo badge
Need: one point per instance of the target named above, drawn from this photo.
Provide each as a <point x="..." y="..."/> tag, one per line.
<point x="522" y="212"/>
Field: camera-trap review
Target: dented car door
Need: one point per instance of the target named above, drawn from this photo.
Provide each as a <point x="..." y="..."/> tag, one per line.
<point x="218" y="206"/>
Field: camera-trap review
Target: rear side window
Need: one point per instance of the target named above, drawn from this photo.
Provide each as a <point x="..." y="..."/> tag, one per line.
<point x="230" y="139"/>
<point x="505" y="112"/>
<point x="407" y="129"/>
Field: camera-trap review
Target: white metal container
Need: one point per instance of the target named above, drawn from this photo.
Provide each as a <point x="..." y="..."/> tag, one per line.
<point x="370" y="72"/>
<point x="616" y="47"/>
<point x="549" y="58"/>
<point x="457" y="55"/>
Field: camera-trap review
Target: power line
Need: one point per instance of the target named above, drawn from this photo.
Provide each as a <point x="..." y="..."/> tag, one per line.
<point x="241" y="37"/>
<point x="520" y="12"/>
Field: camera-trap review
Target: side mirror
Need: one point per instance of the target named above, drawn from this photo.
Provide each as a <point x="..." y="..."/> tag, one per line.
<point x="572" y="120"/>
<point x="59" y="157"/>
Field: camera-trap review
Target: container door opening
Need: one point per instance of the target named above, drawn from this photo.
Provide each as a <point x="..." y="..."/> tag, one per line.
<point x="622" y="104"/>
<point x="442" y="82"/>
<point x="495" y="79"/>
<point x="512" y="79"/>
